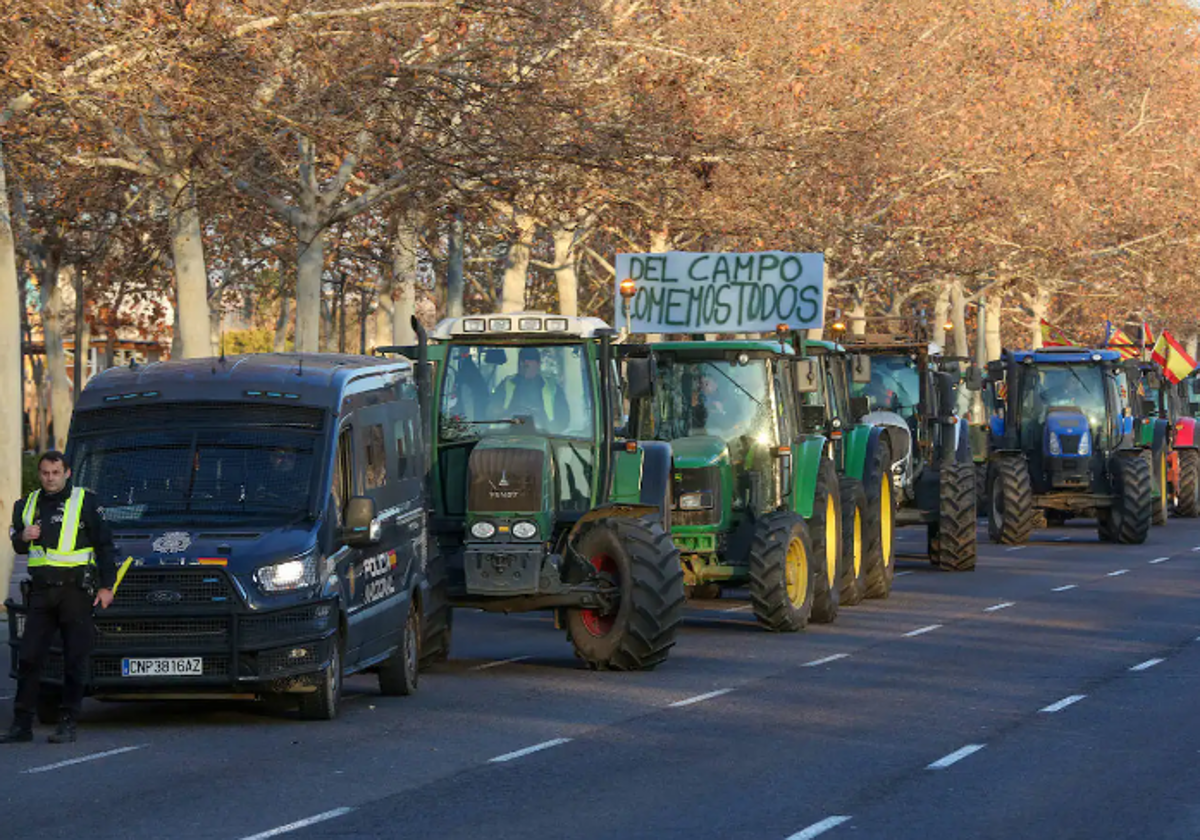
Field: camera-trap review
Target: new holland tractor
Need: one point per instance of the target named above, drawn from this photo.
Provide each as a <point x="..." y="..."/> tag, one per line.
<point x="1062" y="440"/>
<point x="916" y="394"/>
<point x="774" y="489"/>
<point x="537" y="505"/>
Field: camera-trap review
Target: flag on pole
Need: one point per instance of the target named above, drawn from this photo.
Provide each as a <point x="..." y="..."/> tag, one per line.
<point x="1052" y="336"/>
<point x="1172" y="358"/>
<point x="1147" y="335"/>
<point x="1116" y="339"/>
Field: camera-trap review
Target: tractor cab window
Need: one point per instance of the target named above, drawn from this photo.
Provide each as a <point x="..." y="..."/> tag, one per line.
<point x="1064" y="386"/>
<point x="895" y="385"/>
<point x="722" y="398"/>
<point x="488" y="390"/>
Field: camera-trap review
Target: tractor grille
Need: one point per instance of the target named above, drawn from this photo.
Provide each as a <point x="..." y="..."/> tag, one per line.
<point x="165" y="587"/>
<point x="702" y="480"/>
<point x="1069" y="444"/>
<point x="505" y="480"/>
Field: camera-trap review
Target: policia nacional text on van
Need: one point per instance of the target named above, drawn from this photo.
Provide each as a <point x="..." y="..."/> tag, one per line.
<point x="71" y="570"/>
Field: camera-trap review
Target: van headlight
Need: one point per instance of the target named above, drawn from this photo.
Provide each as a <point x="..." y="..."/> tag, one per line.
<point x="288" y="575"/>
<point x="483" y="530"/>
<point x="524" y="530"/>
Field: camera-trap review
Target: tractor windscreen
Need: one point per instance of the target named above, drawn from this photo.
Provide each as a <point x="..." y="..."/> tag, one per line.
<point x="895" y="385"/>
<point x="487" y="390"/>
<point x="1062" y="386"/>
<point x="721" y="398"/>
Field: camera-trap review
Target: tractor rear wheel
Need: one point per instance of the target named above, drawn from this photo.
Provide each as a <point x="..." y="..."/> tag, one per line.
<point x="1128" y="520"/>
<point x="1011" y="516"/>
<point x="639" y="559"/>
<point x="825" y="531"/>
<point x="783" y="576"/>
<point x="952" y="543"/>
<point x="1162" y="500"/>
<point x="981" y="494"/>
<point x="1187" y="495"/>
<point x="880" y="558"/>
<point x="854" y="530"/>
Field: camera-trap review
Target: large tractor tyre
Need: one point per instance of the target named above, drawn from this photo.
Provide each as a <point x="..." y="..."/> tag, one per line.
<point x="981" y="494"/>
<point x="1011" y="517"/>
<point x="1132" y="510"/>
<point x="879" y="556"/>
<point x="854" y="531"/>
<point x="1161" y="506"/>
<point x="783" y="576"/>
<point x="952" y="543"/>
<point x="325" y="702"/>
<point x="638" y="557"/>
<point x="438" y="626"/>
<point x="825" y="531"/>
<point x="399" y="674"/>
<point x="1187" y="495"/>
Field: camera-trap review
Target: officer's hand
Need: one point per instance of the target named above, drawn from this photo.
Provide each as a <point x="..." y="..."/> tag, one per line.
<point x="31" y="533"/>
<point x="103" y="598"/>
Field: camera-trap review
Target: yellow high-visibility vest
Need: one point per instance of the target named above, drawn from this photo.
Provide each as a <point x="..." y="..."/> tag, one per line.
<point x="64" y="555"/>
<point x="549" y="391"/>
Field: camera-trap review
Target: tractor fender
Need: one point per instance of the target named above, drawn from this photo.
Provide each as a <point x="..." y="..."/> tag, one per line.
<point x="1185" y="433"/>
<point x="861" y="453"/>
<point x="896" y="432"/>
<point x="962" y="442"/>
<point x="806" y="469"/>
<point x="656" y="478"/>
<point x="1159" y="435"/>
<point x="607" y="511"/>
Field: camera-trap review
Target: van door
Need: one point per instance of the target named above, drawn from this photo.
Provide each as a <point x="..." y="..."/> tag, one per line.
<point x="350" y="558"/>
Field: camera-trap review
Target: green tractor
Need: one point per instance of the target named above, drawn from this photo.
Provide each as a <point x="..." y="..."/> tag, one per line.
<point x="537" y="505"/>
<point x="919" y="396"/>
<point x="1154" y="429"/>
<point x="774" y="490"/>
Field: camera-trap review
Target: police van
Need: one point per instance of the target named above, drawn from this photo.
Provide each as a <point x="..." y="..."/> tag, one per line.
<point x="270" y="514"/>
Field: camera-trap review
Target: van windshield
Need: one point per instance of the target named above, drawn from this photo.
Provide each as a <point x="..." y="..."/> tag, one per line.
<point x="217" y="474"/>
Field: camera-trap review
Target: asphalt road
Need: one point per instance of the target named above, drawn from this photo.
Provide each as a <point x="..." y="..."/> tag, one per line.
<point x="1050" y="694"/>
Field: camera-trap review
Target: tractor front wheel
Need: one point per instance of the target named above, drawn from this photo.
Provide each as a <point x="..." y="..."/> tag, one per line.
<point x="825" y="531"/>
<point x="952" y="543"/>
<point x="1162" y="502"/>
<point x="1187" y="494"/>
<point x="1010" y="507"/>
<point x="854" y="529"/>
<point x="783" y="576"/>
<point x="1128" y="520"/>
<point x="880" y="558"/>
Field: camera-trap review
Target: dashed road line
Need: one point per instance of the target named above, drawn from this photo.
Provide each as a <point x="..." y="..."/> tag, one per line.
<point x="1159" y="560"/>
<point x="1197" y="548"/>
<point x="1065" y="588"/>
<point x="545" y="745"/>
<point x="298" y="824"/>
<point x="1063" y="703"/>
<point x="742" y="608"/>
<point x="1003" y="606"/>
<point x="498" y="663"/>
<point x="1062" y="539"/>
<point x="1149" y="663"/>
<point x="819" y="828"/>
<point x="83" y="758"/>
<point x="1016" y="548"/>
<point x="920" y="631"/>
<point x="955" y="757"/>
<point x="699" y="698"/>
<point x="1118" y="573"/>
<point x="902" y="574"/>
<point x="825" y="659"/>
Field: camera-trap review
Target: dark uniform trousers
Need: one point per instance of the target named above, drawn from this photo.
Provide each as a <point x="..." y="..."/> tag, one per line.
<point x="55" y="608"/>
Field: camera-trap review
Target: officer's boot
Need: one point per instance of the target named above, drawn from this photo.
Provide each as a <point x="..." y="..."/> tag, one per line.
<point x="20" y="731"/>
<point x="65" y="733"/>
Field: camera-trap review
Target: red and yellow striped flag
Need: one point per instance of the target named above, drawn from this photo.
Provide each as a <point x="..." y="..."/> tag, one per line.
<point x="1052" y="336"/>
<point x="1172" y="358"/>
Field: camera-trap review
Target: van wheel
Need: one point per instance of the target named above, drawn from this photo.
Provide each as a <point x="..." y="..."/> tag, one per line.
<point x="435" y="643"/>
<point x="323" y="703"/>
<point x="399" y="673"/>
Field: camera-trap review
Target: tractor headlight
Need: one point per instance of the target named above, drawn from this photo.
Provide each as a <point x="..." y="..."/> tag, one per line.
<point x="1085" y="443"/>
<point x="1055" y="445"/>
<point x="288" y="576"/>
<point x="483" y="530"/>
<point x="524" y="530"/>
<point x="695" y="501"/>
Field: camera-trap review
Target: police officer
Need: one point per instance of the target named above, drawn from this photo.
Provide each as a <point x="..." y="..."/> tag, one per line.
<point x="72" y="570"/>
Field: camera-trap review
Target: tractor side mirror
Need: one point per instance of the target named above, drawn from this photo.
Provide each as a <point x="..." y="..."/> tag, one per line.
<point x="995" y="370"/>
<point x="1149" y="408"/>
<point x="639" y="377"/>
<point x="1154" y="379"/>
<point x="945" y="394"/>
<point x="973" y="379"/>
<point x="860" y="407"/>
<point x="806" y="376"/>
<point x="360" y="526"/>
<point x="860" y="369"/>
<point x="812" y="417"/>
<point x="1196" y="387"/>
<point x="495" y="356"/>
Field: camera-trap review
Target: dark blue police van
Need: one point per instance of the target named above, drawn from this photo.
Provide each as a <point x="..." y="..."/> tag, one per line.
<point x="272" y="509"/>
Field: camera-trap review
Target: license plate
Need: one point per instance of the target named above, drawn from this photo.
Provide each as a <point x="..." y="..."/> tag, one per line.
<point x="180" y="666"/>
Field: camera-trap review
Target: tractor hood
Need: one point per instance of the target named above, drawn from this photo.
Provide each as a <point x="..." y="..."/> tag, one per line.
<point x="1067" y="433"/>
<point x="699" y="451"/>
<point x="510" y="474"/>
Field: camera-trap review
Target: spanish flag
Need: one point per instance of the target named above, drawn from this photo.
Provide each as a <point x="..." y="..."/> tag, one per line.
<point x="1123" y="344"/>
<point x="1052" y="336"/>
<point x="1172" y="358"/>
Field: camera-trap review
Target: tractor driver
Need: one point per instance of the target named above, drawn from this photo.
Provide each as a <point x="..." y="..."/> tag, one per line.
<point x="530" y="392"/>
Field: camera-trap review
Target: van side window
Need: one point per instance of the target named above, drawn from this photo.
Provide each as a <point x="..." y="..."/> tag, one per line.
<point x="343" y="471"/>
<point x="375" y="474"/>
<point x="403" y="445"/>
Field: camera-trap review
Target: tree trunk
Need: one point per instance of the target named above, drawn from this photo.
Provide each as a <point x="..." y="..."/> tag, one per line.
<point x="454" y="268"/>
<point x="564" y="270"/>
<point x="191" y="277"/>
<point x="60" y="387"/>
<point x="858" y="309"/>
<point x="816" y="333"/>
<point x="281" y="323"/>
<point x="310" y="266"/>
<point x="11" y="397"/>
<point x="516" y="266"/>
<point x="1193" y="342"/>
<point x="83" y="340"/>
<point x="993" y="310"/>
<point x="941" y="314"/>
<point x="403" y="269"/>
<point x="958" y="317"/>
<point x="1040" y="306"/>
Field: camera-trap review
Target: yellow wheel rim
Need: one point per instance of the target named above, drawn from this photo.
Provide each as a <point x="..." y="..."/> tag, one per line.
<point x="797" y="572"/>
<point x="1162" y="482"/>
<point x="831" y="541"/>
<point x="857" y="542"/>
<point x="885" y="518"/>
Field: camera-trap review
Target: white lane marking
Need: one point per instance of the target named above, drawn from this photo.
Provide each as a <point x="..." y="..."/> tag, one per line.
<point x="1149" y="663"/>
<point x="545" y="745"/>
<point x="817" y="829"/>
<point x="955" y="757"/>
<point x="1063" y="703"/>
<point x="1065" y="588"/>
<point x="498" y="663"/>
<point x="84" y="758"/>
<point x="923" y="630"/>
<point x="699" y="698"/>
<point x="1197" y="548"/>
<point x="1016" y="548"/>
<point x="899" y="574"/>
<point x="822" y="661"/>
<point x="742" y="608"/>
<point x="1118" y="573"/>
<point x="1004" y="606"/>
<point x="1062" y="539"/>
<point x="1159" y="560"/>
<point x="284" y="829"/>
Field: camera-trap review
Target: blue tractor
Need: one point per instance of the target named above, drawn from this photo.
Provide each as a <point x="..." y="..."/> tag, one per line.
<point x="1061" y="443"/>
